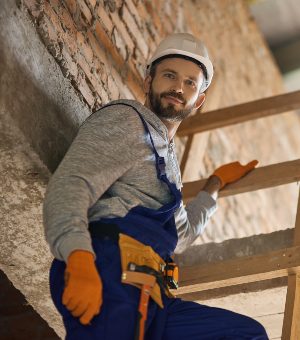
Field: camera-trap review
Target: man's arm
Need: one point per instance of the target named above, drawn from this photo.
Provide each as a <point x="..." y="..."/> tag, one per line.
<point x="104" y="149"/>
<point x="192" y="220"/>
<point x="212" y="186"/>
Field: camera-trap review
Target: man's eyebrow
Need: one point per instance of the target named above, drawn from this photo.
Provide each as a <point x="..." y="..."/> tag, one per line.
<point x="172" y="71"/>
<point x="169" y="70"/>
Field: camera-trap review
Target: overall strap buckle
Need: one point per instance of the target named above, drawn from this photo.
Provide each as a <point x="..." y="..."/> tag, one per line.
<point x="171" y="275"/>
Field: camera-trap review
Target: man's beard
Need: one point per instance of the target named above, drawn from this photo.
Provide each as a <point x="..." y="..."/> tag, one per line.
<point x="169" y="112"/>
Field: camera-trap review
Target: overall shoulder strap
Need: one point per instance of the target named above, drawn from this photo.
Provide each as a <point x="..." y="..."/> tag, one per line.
<point x="160" y="161"/>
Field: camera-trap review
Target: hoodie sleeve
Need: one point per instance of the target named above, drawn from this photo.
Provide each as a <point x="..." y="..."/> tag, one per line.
<point x="101" y="153"/>
<point x="192" y="219"/>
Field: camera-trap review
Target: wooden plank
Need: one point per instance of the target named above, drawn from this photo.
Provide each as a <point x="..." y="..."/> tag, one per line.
<point x="186" y="153"/>
<point x="297" y="224"/>
<point x="240" y="113"/>
<point x="245" y="288"/>
<point x="260" y="178"/>
<point x="242" y="270"/>
<point x="291" y="322"/>
<point x="212" y="101"/>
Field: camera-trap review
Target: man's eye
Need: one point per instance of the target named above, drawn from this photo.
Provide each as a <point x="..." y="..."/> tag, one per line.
<point x="190" y="83"/>
<point x="169" y="75"/>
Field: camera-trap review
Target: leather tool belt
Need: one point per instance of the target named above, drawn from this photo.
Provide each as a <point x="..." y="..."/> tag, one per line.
<point x="139" y="258"/>
<point x="136" y="257"/>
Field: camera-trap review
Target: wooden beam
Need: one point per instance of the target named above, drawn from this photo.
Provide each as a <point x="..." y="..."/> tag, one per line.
<point x="242" y="270"/>
<point x="291" y="322"/>
<point x="297" y="224"/>
<point x="260" y="178"/>
<point x="240" y="113"/>
<point x="212" y="100"/>
<point x="186" y="153"/>
<point x="245" y="288"/>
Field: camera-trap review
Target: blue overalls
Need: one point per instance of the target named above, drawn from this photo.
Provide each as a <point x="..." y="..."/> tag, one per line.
<point x="178" y="319"/>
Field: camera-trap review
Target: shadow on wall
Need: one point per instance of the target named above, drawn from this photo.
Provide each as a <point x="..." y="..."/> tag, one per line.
<point x="46" y="127"/>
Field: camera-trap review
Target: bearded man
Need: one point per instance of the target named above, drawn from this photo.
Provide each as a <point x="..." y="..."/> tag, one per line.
<point x="114" y="215"/>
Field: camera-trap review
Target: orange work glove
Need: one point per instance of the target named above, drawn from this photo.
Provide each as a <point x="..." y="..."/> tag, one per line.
<point x="231" y="172"/>
<point x="83" y="286"/>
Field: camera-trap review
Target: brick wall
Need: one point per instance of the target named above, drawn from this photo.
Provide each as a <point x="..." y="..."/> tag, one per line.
<point x="102" y="46"/>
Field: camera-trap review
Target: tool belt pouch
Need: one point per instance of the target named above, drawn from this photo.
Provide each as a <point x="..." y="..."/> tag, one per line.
<point x="133" y="251"/>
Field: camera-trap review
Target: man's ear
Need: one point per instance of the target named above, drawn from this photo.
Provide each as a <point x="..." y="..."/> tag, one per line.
<point x="200" y="100"/>
<point x="147" y="84"/>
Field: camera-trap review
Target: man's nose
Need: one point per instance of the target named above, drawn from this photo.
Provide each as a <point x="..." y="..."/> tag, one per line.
<point x="178" y="86"/>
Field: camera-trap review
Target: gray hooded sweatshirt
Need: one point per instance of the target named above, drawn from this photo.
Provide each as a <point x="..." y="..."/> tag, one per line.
<point x="110" y="169"/>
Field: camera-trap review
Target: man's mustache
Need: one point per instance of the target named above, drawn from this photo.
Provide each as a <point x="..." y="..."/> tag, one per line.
<point x="174" y="95"/>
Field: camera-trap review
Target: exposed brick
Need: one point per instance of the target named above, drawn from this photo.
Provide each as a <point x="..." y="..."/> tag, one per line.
<point x="172" y="12"/>
<point x="100" y="61"/>
<point x="113" y="5"/>
<point x="168" y="8"/>
<point x="68" y="65"/>
<point x="135" y="87"/>
<point x="72" y="6"/>
<point x="168" y="26"/>
<point x="140" y="64"/>
<point x="84" y="47"/>
<point x="144" y="14"/>
<point x="85" y="11"/>
<point x="92" y="3"/>
<point x="86" y="92"/>
<point x="105" y="19"/>
<point x="123" y="30"/>
<point x="117" y="78"/>
<point x="55" y="4"/>
<point x="119" y="43"/>
<point x="132" y="9"/>
<point x="65" y="36"/>
<point x="97" y="48"/>
<point x="51" y="14"/>
<point x="92" y="74"/>
<point x="154" y="16"/>
<point x="134" y="72"/>
<point x="108" y="45"/>
<point x="70" y="40"/>
<point x="153" y="32"/>
<point x="149" y="41"/>
<point x="46" y="27"/>
<point x="49" y="36"/>
<point x="135" y="32"/>
<point x="33" y="7"/>
<point x="102" y="93"/>
<point x="84" y="66"/>
<point x="115" y="39"/>
<point x="67" y="20"/>
<point x="113" y="89"/>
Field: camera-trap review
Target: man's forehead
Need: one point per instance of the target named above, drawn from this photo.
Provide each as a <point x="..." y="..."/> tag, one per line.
<point x="182" y="66"/>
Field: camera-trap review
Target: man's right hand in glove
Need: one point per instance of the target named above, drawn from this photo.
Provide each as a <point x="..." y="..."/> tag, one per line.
<point x="83" y="286"/>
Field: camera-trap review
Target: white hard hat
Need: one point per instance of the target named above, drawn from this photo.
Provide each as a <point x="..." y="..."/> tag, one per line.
<point x="187" y="45"/>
